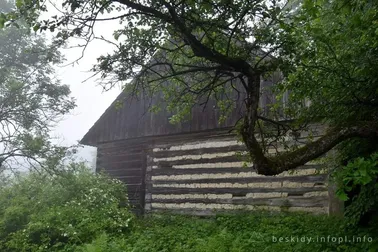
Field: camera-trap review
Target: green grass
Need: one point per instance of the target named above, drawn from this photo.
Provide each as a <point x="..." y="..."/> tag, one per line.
<point x="235" y="233"/>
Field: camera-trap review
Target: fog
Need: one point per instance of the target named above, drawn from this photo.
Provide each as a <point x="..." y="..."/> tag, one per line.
<point x="90" y="97"/>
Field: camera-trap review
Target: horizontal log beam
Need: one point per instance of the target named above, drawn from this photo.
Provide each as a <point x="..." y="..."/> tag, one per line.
<point x="317" y="201"/>
<point x="260" y="179"/>
<point x="239" y="191"/>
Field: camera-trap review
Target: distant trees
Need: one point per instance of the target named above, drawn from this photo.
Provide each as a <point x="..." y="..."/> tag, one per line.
<point x="31" y="98"/>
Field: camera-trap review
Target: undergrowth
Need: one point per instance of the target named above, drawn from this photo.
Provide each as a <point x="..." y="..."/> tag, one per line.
<point x="81" y="211"/>
<point x="257" y="231"/>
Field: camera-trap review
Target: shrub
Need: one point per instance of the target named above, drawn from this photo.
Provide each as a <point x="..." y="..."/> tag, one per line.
<point x="251" y="231"/>
<point x="40" y="212"/>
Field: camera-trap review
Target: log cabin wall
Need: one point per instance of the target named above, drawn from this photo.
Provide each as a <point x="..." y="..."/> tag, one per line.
<point x="126" y="161"/>
<point x="202" y="175"/>
<point x="204" y="172"/>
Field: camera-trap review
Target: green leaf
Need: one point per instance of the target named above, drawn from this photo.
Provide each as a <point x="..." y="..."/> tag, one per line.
<point x="36" y="27"/>
<point x="19" y="4"/>
<point x="342" y="195"/>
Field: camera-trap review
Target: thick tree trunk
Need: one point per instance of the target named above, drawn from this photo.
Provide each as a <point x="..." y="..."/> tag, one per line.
<point x="290" y="160"/>
<point x="261" y="162"/>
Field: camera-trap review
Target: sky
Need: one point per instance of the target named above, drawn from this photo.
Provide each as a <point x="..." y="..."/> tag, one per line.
<point x="91" y="100"/>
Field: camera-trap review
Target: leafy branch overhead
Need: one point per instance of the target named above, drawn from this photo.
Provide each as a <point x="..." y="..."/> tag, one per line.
<point x="325" y="53"/>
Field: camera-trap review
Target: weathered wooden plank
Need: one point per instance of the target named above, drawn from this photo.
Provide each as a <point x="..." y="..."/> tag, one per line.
<point x="131" y="179"/>
<point x="317" y="201"/>
<point x="117" y="151"/>
<point x="213" y="212"/>
<point x="124" y="172"/>
<point x="119" y="158"/>
<point x="166" y="142"/>
<point x="170" y="153"/>
<point x="201" y="161"/>
<point x="133" y="195"/>
<point x="137" y="143"/>
<point x="117" y="148"/>
<point x="239" y="191"/>
<point x="115" y="171"/>
<point x="168" y="170"/>
<point x="121" y="164"/>
<point x="190" y="211"/>
<point x="260" y="179"/>
<point x="134" y="201"/>
<point x="137" y="184"/>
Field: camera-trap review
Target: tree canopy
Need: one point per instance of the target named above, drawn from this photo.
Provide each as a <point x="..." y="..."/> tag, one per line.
<point x="31" y="98"/>
<point x="193" y="50"/>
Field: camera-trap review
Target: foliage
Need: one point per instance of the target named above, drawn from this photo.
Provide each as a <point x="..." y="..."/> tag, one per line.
<point x="332" y="61"/>
<point x="40" y="212"/>
<point x="357" y="185"/>
<point x="242" y="232"/>
<point x="358" y="172"/>
<point x="355" y="175"/>
<point x="32" y="99"/>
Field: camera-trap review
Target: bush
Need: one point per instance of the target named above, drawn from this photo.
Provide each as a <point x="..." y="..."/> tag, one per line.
<point x="40" y="212"/>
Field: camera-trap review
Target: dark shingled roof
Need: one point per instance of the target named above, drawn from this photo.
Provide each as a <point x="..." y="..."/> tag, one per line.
<point x="134" y="120"/>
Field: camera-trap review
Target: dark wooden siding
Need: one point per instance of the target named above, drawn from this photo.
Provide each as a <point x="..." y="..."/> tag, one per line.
<point x="125" y="161"/>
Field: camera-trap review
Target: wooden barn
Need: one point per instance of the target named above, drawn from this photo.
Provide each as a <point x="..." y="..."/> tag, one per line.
<point x="194" y="167"/>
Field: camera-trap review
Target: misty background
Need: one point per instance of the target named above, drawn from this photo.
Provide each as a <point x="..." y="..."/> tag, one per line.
<point x="91" y="99"/>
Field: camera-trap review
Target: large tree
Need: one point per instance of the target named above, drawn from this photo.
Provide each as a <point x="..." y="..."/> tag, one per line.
<point x="326" y="51"/>
<point x="31" y="98"/>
